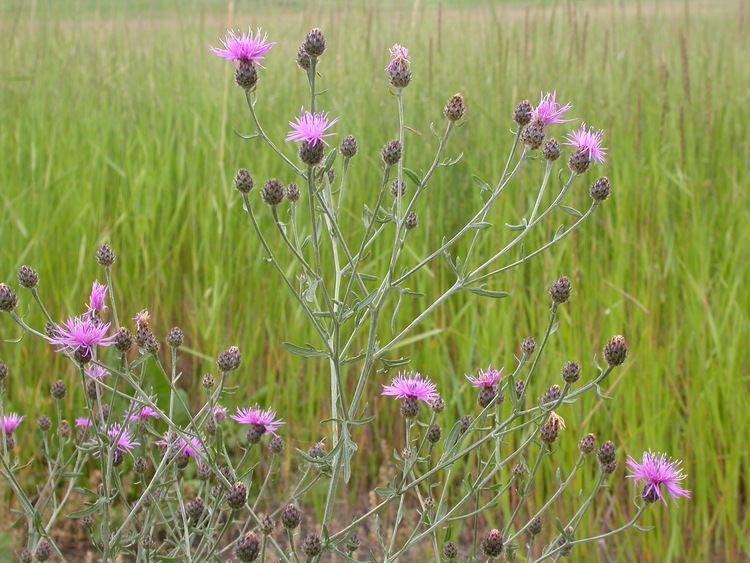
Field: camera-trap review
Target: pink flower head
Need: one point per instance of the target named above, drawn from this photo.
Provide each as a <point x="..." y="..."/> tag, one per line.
<point x="81" y="334"/>
<point x="311" y="127"/>
<point x="265" y="419"/>
<point x="549" y="112"/>
<point x="125" y="443"/>
<point x="176" y="445"/>
<point x="398" y="52"/>
<point x="411" y="386"/>
<point x="657" y="471"/>
<point x="486" y="379"/>
<point x="589" y="142"/>
<point x="98" y="297"/>
<point x="144" y="414"/>
<point x="248" y="48"/>
<point x="220" y="414"/>
<point x="84" y="422"/>
<point x="142" y="319"/>
<point x="10" y="423"/>
<point x="97" y="372"/>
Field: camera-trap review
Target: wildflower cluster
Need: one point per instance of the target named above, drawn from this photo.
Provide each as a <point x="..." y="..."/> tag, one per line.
<point x="151" y="477"/>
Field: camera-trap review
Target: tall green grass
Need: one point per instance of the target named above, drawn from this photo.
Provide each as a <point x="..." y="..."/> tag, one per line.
<point x="117" y="125"/>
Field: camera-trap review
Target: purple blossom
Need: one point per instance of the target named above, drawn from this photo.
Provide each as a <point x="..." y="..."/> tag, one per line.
<point x="398" y="54"/>
<point x="311" y="127"/>
<point x="177" y="445"/>
<point x="81" y="334"/>
<point x="265" y="419"/>
<point x="97" y="372"/>
<point x="142" y="319"/>
<point x="486" y="379"/>
<point x="657" y="471"/>
<point x="125" y="443"/>
<point x="249" y="47"/>
<point x="411" y="386"/>
<point x="97" y="300"/>
<point x="84" y="422"/>
<point x="220" y="414"/>
<point x="549" y="112"/>
<point x="144" y="414"/>
<point x="589" y="142"/>
<point x="10" y="422"/>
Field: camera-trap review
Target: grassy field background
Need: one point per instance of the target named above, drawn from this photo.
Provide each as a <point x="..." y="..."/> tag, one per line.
<point x="116" y="124"/>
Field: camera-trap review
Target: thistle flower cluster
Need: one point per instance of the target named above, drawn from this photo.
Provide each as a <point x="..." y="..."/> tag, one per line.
<point x="155" y="477"/>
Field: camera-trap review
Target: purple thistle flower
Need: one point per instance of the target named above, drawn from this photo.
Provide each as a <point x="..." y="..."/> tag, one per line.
<point x="97" y="372"/>
<point x="10" y="422"/>
<point x="176" y="445"/>
<point x="144" y="414"/>
<point x="125" y="443"/>
<point x="486" y="379"/>
<point x="84" y="422"/>
<point x="549" y="112"/>
<point x="311" y="127"/>
<point x="398" y="54"/>
<point x="98" y="297"/>
<point x="589" y="142"/>
<point x="249" y="47"/>
<point x="81" y="334"/>
<point x="265" y="419"/>
<point x="411" y="386"/>
<point x="657" y="470"/>
<point x="220" y="413"/>
<point x="142" y="319"/>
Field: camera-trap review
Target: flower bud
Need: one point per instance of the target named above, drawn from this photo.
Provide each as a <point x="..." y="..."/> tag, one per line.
<point x="331" y="175"/>
<point x="391" y="153"/>
<point x="194" y="509"/>
<point x="203" y="471"/>
<point x="310" y="153"/>
<point x="398" y="73"/>
<point x="438" y="405"/>
<point x="207" y="381"/>
<point x="175" y="337"/>
<point x="607" y="453"/>
<point x="486" y="396"/>
<point x="616" y="351"/>
<point x="267" y="524"/>
<point x="434" y="432"/>
<point x="3" y="372"/>
<point x="105" y="256"/>
<point x="455" y="108"/>
<point x="243" y="181"/>
<point x="255" y="433"/>
<point x="26" y="556"/>
<point x="43" y="551"/>
<point x="464" y="423"/>
<point x="599" y="190"/>
<point x="292" y="193"/>
<point x="533" y="135"/>
<point x="277" y="444"/>
<point x="302" y="58"/>
<point x="522" y="113"/>
<point x="8" y="298"/>
<point x="123" y="340"/>
<point x="551" y="150"/>
<point x="450" y="551"/>
<point x="314" y="43"/>
<point x="59" y="390"/>
<point x="398" y="188"/>
<point x="352" y="544"/>
<point x="411" y="221"/>
<point x="587" y="444"/>
<point x="312" y="545"/>
<point x="492" y="544"/>
<point x="560" y="290"/>
<point x="229" y="359"/>
<point x="409" y="407"/>
<point x="246" y="75"/>
<point x="27" y="277"/>
<point x="520" y="388"/>
<point x="571" y="372"/>
<point x="348" y="146"/>
<point x="528" y="346"/>
<point x="272" y="192"/>
<point x="290" y="517"/>
<point x="44" y="423"/>
<point x="551" y="395"/>
<point x="140" y="465"/>
<point x="406" y="453"/>
<point x="247" y="548"/>
<point x="236" y="496"/>
<point x="317" y="450"/>
<point x="535" y="526"/>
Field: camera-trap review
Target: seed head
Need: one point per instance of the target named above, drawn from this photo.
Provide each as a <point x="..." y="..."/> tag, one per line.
<point x="27" y="277"/>
<point x="247" y="548"/>
<point x="292" y="193"/>
<point x="616" y="350"/>
<point x="277" y="444"/>
<point x="229" y="359"/>
<point x="246" y="75"/>
<point x="175" y="337"/>
<point x="560" y="290"/>
<point x="290" y="517"/>
<point x="314" y="43"/>
<point x="272" y="192"/>
<point x="450" y="551"/>
<point x="311" y="153"/>
<point x="551" y="150"/>
<point x="455" y="108"/>
<point x="571" y="372"/>
<point x="492" y="544"/>
<point x="105" y="256"/>
<point x="59" y="390"/>
<point x="312" y="545"/>
<point x="587" y="444"/>
<point x="391" y="153"/>
<point x="599" y="190"/>
<point x="236" y="496"/>
<point x="348" y="146"/>
<point x="243" y="181"/>
<point x="533" y="135"/>
<point x="8" y="298"/>
<point x="410" y="221"/>
<point x="522" y="113"/>
<point x="434" y="432"/>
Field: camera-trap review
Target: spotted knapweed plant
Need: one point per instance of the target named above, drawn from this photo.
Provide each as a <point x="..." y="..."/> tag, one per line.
<point x="145" y="485"/>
